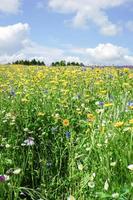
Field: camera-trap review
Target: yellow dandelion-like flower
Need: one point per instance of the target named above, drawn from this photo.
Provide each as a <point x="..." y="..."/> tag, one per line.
<point x="126" y="70"/>
<point x="103" y="92"/>
<point x="130" y="107"/>
<point x="66" y="122"/>
<point x="102" y="129"/>
<point x="131" y="121"/>
<point x="40" y="114"/>
<point x="24" y="100"/>
<point x="118" y="124"/>
<point x="130" y="76"/>
<point x="108" y="104"/>
<point x="90" y="117"/>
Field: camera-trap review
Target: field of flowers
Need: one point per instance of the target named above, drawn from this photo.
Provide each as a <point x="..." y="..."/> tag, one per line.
<point x="66" y="133"/>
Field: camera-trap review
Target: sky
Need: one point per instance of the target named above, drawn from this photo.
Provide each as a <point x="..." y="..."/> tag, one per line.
<point x="90" y="31"/>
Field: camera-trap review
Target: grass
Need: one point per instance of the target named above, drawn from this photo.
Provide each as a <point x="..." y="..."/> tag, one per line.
<point x="66" y="133"/>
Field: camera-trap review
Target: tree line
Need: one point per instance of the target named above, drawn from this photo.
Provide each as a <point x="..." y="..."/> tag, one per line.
<point x="64" y="63"/>
<point x="29" y="62"/>
<point x="41" y="63"/>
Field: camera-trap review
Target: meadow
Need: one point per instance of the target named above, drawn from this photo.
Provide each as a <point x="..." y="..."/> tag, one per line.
<point x="66" y="133"/>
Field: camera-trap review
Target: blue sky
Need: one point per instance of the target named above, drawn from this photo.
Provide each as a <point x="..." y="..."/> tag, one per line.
<point x="89" y="31"/>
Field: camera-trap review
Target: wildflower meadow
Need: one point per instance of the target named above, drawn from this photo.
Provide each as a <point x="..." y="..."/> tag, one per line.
<point x="66" y="133"/>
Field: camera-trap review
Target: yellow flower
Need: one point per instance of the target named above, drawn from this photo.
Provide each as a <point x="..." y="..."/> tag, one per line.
<point x="118" y="124"/>
<point x="90" y="117"/>
<point x="102" y="129"/>
<point x="24" y="100"/>
<point x="99" y="82"/>
<point x="66" y="122"/>
<point x="130" y="76"/>
<point x="103" y="92"/>
<point x="19" y="92"/>
<point x="126" y="70"/>
<point x="108" y="104"/>
<point x="40" y="114"/>
<point x="130" y="107"/>
<point x="131" y="121"/>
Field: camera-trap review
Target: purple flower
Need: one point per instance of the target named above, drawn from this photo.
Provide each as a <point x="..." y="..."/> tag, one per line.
<point x="68" y="134"/>
<point x="28" y="142"/>
<point x="101" y="103"/>
<point x="2" y="178"/>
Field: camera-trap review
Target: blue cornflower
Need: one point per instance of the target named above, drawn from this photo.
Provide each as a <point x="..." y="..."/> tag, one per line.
<point x="130" y="103"/>
<point x="68" y="134"/>
<point x="12" y="92"/>
<point x="46" y="91"/>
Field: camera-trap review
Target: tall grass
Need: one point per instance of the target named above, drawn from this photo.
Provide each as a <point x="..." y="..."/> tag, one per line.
<point x="66" y="133"/>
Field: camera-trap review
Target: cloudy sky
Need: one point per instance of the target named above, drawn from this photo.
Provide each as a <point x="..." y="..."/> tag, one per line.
<point x="89" y="31"/>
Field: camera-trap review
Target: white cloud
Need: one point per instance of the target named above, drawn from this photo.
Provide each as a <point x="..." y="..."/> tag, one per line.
<point x="104" y="54"/>
<point x="108" y="54"/>
<point x="90" y="10"/>
<point x="10" y="6"/>
<point x="13" y="37"/>
<point x="15" y="44"/>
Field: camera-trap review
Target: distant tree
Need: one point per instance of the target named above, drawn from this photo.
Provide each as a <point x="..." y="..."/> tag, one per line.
<point x="33" y="62"/>
<point x="53" y="64"/>
<point x="73" y="63"/>
<point x="42" y="63"/>
<point x="27" y="62"/>
<point x="39" y="63"/>
<point x="77" y="64"/>
<point x="57" y="63"/>
<point x="62" y="63"/>
<point x="68" y="63"/>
